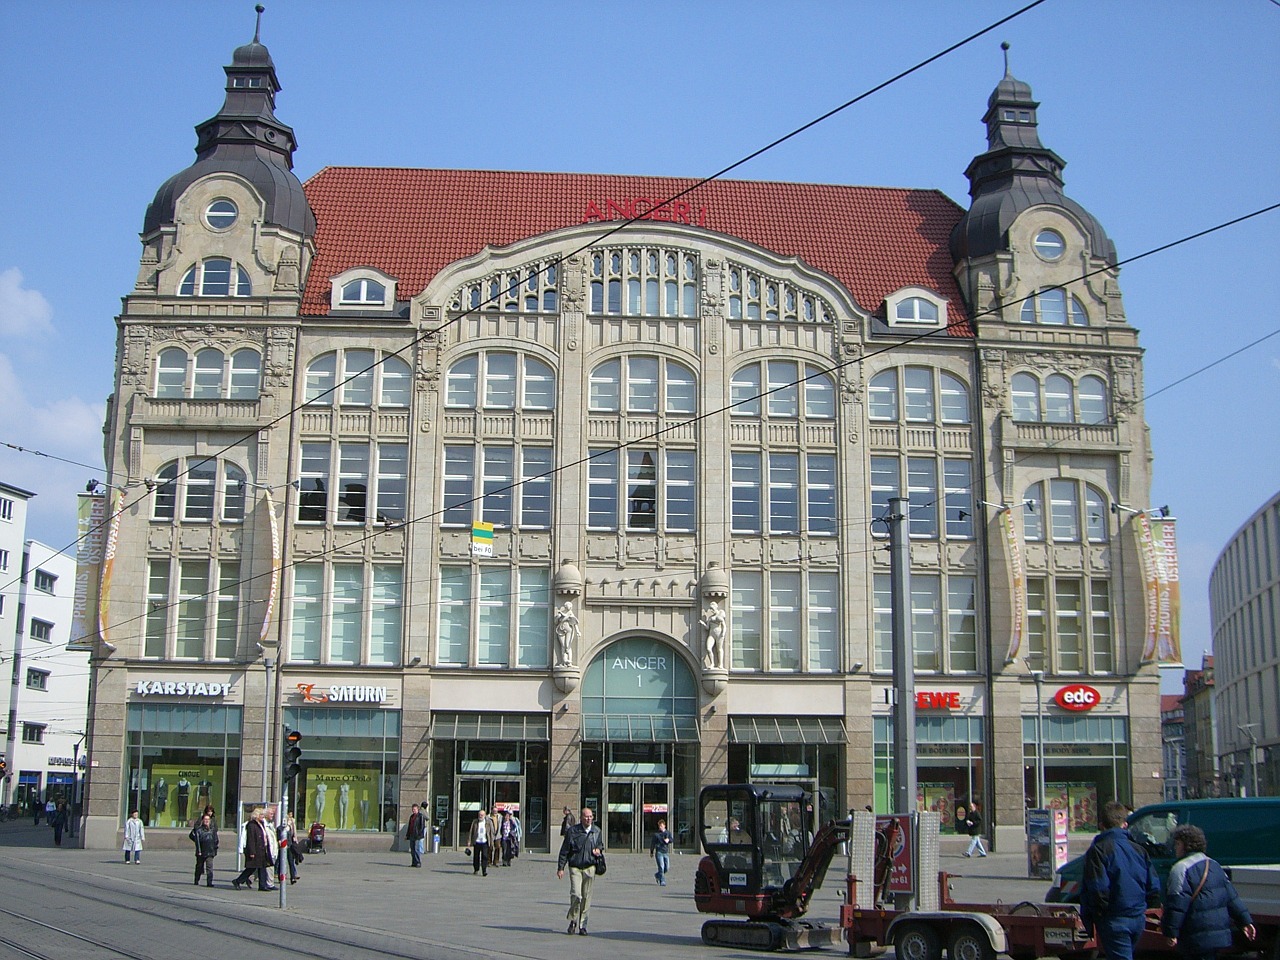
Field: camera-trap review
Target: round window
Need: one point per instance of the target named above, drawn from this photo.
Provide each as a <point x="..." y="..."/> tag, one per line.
<point x="221" y="214"/>
<point x="1050" y="245"/>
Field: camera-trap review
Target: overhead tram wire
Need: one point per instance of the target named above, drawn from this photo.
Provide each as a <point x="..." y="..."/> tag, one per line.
<point x="888" y="348"/>
<point x="623" y="224"/>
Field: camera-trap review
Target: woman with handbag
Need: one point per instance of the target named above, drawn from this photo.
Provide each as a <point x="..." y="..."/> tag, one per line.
<point x="292" y="849"/>
<point x="582" y="851"/>
<point x="1200" y="903"/>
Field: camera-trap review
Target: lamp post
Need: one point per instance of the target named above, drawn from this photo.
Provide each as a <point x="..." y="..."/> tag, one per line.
<point x="1247" y="730"/>
<point x="1038" y="677"/>
<point x="75" y="784"/>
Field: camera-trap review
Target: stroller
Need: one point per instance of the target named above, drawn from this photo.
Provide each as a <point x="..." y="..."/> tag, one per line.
<point x="315" y="838"/>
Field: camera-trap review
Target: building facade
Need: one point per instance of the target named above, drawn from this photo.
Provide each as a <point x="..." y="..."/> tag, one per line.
<point x="1244" y="602"/>
<point x="1175" y="746"/>
<point x="499" y="508"/>
<point x="1200" y="731"/>
<point x="47" y="699"/>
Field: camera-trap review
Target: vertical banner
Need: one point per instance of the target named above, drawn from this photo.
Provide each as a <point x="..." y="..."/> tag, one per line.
<point x="91" y="533"/>
<point x="481" y="539"/>
<point x="1168" y="634"/>
<point x="1158" y="550"/>
<point x="274" y="588"/>
<point x="1017" y="585"/>
<point x="108" y="561"/>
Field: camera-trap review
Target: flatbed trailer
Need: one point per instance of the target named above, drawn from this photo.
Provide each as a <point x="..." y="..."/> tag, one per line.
<point x="967" y="931"/>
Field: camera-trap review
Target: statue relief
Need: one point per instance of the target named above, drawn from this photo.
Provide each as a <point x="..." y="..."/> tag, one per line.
<point x="566" y="634"/>
<point x="715" y="628"/>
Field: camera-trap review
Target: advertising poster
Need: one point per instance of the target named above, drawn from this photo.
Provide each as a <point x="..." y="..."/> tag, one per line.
<point x="342" y="799"/>
<point x="180" y="791"/>
<point x="893" y="852"/>
<point x="91" y="528"/>
<point x="1040" y="843"/>
<point x="941" y="799"/>
<point x="1060" y="840"/>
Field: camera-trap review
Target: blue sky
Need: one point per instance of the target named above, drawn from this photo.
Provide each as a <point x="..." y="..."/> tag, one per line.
<point x="1164" y="110"/>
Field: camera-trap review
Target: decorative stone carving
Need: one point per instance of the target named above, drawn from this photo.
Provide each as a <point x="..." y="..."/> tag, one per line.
<point x="567" y="633"/>
<point x="714" y="590"/>
<point x="288" y="273"/>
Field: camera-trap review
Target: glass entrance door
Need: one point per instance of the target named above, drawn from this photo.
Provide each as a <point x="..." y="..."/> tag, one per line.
<point x="486" y="793"/>
<point x="632" y="809"/>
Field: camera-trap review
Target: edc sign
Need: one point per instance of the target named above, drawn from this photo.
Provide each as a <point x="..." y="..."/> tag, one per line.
<point x="1078" y="697"/>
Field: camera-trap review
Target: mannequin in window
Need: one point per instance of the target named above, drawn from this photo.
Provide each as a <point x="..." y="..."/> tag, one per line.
<point x="344" y="800"/>
<point x="714" y="623"/>
<point x="184" y="797"/>
<point x="204" y="794"/>
<point x="322" y="797"/>
<point x="159" y="799"/>
<point x="364" y="813"/>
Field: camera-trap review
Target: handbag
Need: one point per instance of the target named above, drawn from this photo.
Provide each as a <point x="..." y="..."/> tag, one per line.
<point x="601" y="866"/>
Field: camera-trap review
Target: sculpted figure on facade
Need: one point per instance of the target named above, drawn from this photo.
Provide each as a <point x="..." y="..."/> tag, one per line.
<point x="715" y="627"/>
<point x="566" y="634"/>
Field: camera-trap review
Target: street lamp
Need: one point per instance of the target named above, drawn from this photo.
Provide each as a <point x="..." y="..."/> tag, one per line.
<point x="1038" y="677"/>
<point x="1247" y="730"/>
<point x="75" y="783"/>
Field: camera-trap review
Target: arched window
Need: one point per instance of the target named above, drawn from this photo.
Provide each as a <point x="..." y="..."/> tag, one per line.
<point x="1050" y="308"/>
<point x="216" y="277"/>
<point x="366" y="374"/>
<point x="1026" y="398"/>
<point x="655" y="283"/>
<point x="882" y="396"/>
<point x="650" y="385"/>
<point x="207" y="383"/>
<point x="916" y="310"/>
<point x="171" y="373"/>
<point x="782" y="383"/>
<point x="246" y="378"/>
<point x="1072" y="506"/>
<point x="1091" y="395"/>
<point x="954" y="395"/>
<point x="364" y="291"/>
<point x="1059" y="406"/>
<point x="1095" y="515"/>
<point x="203" y="489"/>
<point x="926" y="393"/>
<point x="500" y="380"/>
<point x="917" y="394"/>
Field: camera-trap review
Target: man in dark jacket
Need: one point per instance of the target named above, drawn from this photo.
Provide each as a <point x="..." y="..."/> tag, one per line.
<point x="257" y="854"/>
<point x="1119" y="884"/>
<point x="582" y="844"/>
<point x="1201" y="904"/>
<point x="416" y="834"/>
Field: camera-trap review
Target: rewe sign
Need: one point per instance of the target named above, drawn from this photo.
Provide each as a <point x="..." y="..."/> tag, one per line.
<point x="1078" y="697"/>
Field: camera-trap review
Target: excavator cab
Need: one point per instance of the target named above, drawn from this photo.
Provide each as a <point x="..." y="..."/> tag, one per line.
<point x="756" y="837"/>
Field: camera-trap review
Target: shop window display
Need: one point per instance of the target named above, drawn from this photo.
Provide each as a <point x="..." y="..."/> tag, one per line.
<point x="350" y="779"/>
<point x="179" y="759"/>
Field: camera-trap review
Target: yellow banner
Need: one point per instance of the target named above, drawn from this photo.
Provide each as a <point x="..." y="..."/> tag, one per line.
<point x="108" y="561"/>
<point x="91" y="530"/>
<point x="1017" y="585"/>
<point x="1158" y="551"/>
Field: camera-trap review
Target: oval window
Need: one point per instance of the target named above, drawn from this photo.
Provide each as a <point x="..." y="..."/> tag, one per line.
<point x="1050" y="245"/>
<point x="221" y="214"/>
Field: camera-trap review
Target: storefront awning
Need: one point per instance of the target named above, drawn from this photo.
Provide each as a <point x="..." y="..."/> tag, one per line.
<point x="490" y="726"/>
<point x="786" y="730"/>
<point x="638" y="728"/>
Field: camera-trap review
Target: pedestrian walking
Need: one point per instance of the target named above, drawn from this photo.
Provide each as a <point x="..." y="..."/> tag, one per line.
<point x="660" y="847"/>
<point x="205" y="836"/>
<point x="509" y="837"/>
<point x="1201" y="904"/>
<point x="134" y="835"/>
<point x="973" y="826"/>
<point x="578" y="851"/>
<point x="50" y="808"/>
<point x="37" y="808"/>
<point x="481" y="836"/>
<point x="568" y="821"/>
<point x="1119" y="884"/>
<point x="416" y="833"/>
<point x="290" y="849"/>
<point x="61" y="817"/>
<point x="495" y="842"/>
<point x="257" y="855"/>
<point x="275" y="855"/>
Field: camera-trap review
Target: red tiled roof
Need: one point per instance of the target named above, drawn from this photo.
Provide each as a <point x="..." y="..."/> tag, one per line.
<point x="412" y="223"/>
<point x="1170" y="702"/>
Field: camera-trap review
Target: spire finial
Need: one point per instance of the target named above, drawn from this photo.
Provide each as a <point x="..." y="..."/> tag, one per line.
<point x="257" y="27"/>
<point x="1004" y="45"/>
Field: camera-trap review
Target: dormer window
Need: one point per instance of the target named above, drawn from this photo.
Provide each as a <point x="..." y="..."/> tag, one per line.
<point x="1017" y="116"/>
<point x="246" y="81"/>
<point x="363" y="292"/>
<point x="216" y="277"/>
<point x="361" y="289"/>
<point x="916" y="307"/>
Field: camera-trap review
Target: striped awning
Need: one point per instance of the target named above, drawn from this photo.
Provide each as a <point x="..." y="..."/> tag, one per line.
<point x="787" y="730"/>
<point x="490" y="726"/>
<point x="639" y="728"/>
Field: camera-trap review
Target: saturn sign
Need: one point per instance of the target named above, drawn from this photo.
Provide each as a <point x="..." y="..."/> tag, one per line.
<point x="1078" y="697"/>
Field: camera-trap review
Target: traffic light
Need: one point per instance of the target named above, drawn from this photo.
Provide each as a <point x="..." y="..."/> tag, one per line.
<point x="292" y="754"/>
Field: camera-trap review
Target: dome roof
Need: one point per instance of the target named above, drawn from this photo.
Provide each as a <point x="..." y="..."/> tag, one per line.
<point x="253" y="54"/>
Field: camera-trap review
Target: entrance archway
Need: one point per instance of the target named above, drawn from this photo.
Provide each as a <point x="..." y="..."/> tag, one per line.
<point x="640" y="742"/>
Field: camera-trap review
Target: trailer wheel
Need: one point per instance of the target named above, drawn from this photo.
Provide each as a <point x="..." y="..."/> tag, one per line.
<point x="917" y="941"/>
<point x="970" y="943"/>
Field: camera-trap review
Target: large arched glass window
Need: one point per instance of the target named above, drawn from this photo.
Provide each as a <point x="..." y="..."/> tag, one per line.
<point x="1026" y="398"/>
<point x="1055" y="309"/>
<point x="916" y="310"/>
<point x="927" y="396"/>
<point x="500" y="380"/>
<point x="882" y="396"/>
<point x="364" y="291"/>
<point x="1058" y="399"/>
<point x="954" y="397"/>
<point x="1072" y="506"/>
<point x="649" y="384"/>
<point x="207" y="383"/>
<point x="367" y="374"/>
<point x="202" y="487"/>
<point x="216" y="277"/>
<point x="782" y="383"/>
<point x="213" y="375"/>
<point x="246" y="375"/>
<point x="629" y="284"/>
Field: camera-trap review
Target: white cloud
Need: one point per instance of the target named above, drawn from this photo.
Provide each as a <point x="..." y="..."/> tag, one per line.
<point x="23" y="313"/>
